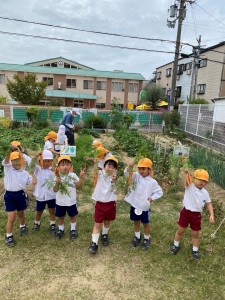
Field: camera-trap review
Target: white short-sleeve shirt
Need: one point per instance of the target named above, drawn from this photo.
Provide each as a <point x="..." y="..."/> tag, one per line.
<point x="195" y="199"/>
<point x="105" y="190"/>
<point x="15" y="180"/>
<point x="141" y="189"/>
<point x="69" y="198"/>
<point x="42" y="192"/>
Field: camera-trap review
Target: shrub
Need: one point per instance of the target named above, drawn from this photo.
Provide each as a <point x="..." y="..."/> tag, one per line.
<point x="171" y="119"/>
<point x="95" y="122"/>
<point x="198" y="101"/>
<point x="56" y="102"/>
<point x="5" y="122"/>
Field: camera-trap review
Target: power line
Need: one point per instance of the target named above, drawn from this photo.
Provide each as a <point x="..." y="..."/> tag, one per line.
<point x="91" y="31"/>
<point x="210" y="14"/>
<point x="81" y="42"/>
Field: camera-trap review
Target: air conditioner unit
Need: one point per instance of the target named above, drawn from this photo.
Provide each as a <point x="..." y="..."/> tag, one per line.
<point x="188" y="72"/>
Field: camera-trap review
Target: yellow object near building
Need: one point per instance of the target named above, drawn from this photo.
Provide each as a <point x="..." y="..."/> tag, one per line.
<point x="143" y="107"/>
<point x="130" y="106"/>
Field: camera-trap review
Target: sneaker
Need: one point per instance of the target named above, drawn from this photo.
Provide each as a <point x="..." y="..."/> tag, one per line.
<point x="52" y="228"/>
<point x="93" y="248"/>
<point x="73" y="234"/>
<point x="59" y="234"/>
<point x="195" y="255"/>
<point x="174" y="249"/>
<point x="105" y="239"/>
<point x="23" y="230"/>
<point x="10" y="241"/>
<point x="135" y="242"/>
<point x="145" y="244"/>
<point x="36" y="226"/>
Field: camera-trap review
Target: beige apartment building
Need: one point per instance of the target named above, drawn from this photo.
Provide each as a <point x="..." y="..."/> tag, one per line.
<point x="209" y="72"/>
<point x="78" y="85"/>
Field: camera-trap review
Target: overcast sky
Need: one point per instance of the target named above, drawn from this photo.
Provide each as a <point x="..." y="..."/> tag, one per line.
<point x="141" y="18"/>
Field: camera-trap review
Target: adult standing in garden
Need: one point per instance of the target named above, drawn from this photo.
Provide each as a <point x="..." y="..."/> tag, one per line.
<point x="68" y="122"/>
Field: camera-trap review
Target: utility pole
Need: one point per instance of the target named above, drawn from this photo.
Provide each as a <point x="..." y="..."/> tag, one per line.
<point x="195" y="66"/>
<point x="181" y="16"/>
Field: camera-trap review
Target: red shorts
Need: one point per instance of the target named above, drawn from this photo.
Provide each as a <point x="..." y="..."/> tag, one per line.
<point x="190" y="217"/>
<point x="105" y="211"/>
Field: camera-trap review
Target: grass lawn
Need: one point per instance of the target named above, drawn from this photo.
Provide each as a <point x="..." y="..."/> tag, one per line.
<point x="40" y="267"/>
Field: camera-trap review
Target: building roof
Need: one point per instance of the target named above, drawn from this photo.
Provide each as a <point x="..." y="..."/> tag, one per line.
<point x="65" y="94"/>
<point x="58" y="58"/>
<point x="67" y="71"/>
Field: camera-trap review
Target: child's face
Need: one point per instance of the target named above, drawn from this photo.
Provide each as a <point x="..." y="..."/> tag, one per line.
<point x="16" y="163"/>
<point x="47" y="163"/>
<point x="144" y="172"/>
<point x="109" y="169"/>
<point x="199" y="183"/>
<point x="64" y="167"/>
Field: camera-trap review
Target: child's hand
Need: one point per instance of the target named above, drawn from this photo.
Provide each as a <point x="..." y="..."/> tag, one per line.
<point x="211" y="219"/>
<point x="114" y="177"/>
<point x="150" y="199"/>
<point x="57" y="179"/>
<point x="131" y="164"/>
<point x="82" y="173"/>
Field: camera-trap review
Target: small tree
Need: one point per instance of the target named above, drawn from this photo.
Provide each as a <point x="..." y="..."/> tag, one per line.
<point x="152" y="96"/>
<point x="26" y="90"/>
<point x="3" y="100"/>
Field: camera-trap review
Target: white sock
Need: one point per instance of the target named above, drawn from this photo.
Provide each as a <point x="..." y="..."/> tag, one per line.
<point x="52" y="222"/>
<point x="195" y="248"/>
<point x="95" y="237"/>
<point x="105" y="230"/>
<point x="176" y="243"/>
<point x="61" y="227"/>
<point x="9" y="234"/>
<point x="22" y="225"/>
<point x="138" y="234"/>
<point x="146" y="237"/>
<point x="37" y="222"/>
<point x="73" y="226"/>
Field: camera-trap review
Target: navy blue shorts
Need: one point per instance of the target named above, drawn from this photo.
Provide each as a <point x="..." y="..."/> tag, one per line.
<point x="40" y="205"/>
<point x="60" y="211"/>
<point x="15" y="201"/>
<point x="144" y="217"/>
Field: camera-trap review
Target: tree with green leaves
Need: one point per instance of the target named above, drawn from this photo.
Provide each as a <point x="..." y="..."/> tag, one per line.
<point x="152" y="95"/>
<point x="26" y="90"/>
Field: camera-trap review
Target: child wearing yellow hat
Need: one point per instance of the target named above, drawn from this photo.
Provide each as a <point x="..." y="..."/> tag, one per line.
<point x="66" y="199"/>
<point x="105" y="208"/>
<point x="143" y="190"/>
<point x="45" y="196"/>
<point x="195" y="198"/>
<point x="15" y="181"/>
<point x="17" y="146"/>
<point x="50" y="140"/>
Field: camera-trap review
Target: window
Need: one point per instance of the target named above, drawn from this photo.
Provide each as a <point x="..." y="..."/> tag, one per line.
<point x="66" y="65"/>
<point x="201" y="88"/>
<point x="48" y="79"/>
<point x="133" y="88"/>
<point x="117" y="86"/>
<point x="2" y="79"/>
<point x="88" y="84"/>
<point x="158" y="75"/>
<point x="188" y="66"/>
<point x="78" y="103"/>
<point x="202" y="63"/>
<point x="101" y="85"/>
<point x="71" y="83"/>
<point x="54" y="64"/>
<point x="47" y="65"/>
<point x="180" y="69"/>
<point x="100" y="105"/>
<point x="168" y="72"/>
<point x="178" y="91"/>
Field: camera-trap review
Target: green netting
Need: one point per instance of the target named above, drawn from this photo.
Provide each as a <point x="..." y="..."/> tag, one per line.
<point x="77" y="119"/>
<point x="43" y="115"/>
<point x="143" y="118"/>
<point x="19" y="114"/>
<point x="105" y="116"/>
<point x="86" y="115"/>
<point x="56" y="115"/>
<point x="157" y="118"/>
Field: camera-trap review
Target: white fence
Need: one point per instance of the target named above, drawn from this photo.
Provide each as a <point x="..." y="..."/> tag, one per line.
<point x="204" y="123"/>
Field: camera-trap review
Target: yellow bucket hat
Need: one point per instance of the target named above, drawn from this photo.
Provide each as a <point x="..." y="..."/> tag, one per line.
<point x="66" y="157"/>
<point x="51" y="135"/>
